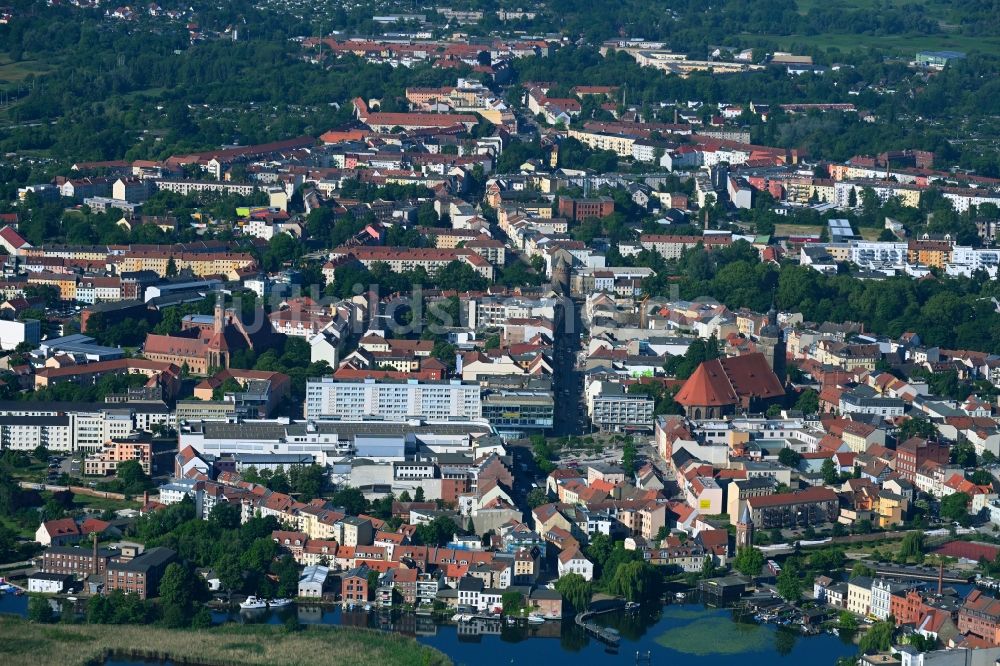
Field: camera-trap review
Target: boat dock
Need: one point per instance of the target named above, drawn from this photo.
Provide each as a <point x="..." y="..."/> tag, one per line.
<point x="606" y="635"/>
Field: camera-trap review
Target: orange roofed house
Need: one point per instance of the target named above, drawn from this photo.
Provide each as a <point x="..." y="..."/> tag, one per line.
<point x="719" y="386"/>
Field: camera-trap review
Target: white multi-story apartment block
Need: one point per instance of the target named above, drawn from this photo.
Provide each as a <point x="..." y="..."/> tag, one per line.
<point x="870" y="254"/>
<point x="392" y="400"/>
<point x="963" y="198"/>
<point x="67" y="426"/>
<point x="967" y="260"/>
<point x="610" y="408"/>
<point x="24" y="433"/>
<point x="497" y="311"/>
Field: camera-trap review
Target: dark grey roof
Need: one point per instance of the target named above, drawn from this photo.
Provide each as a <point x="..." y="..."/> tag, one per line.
<point x="152" y="558"/>
<point x="114" y="306"/>
<point x="680" y="457"/>
<point x="56" y="407"/>
<point x="36" y="421"/>
<point x="79" y="550"/>
<point x="754" y="482"/>
<point x="545" y="593"/>
<point x="44" y="575"/>
<point x="470" y="584"/>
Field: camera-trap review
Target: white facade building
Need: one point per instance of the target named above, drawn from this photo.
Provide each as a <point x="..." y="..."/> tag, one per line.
<point x="873" y="254"/>
<point x="967" y="260"/>
<point x="47" y="583"/>
<point x="392" y="400"/>
<point x="13" y="333"/>
<point x="574" y="562"/>
<point x="67" y="426"/>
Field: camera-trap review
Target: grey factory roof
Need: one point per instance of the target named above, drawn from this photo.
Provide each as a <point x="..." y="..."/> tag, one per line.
<point x="79" y="343"/>
<point x="154" y="557"/>
<point x="274" y="458"/>
<point x="344" y="429"/>
<point x="56" y="407"/>
<point x="36" y="421"/>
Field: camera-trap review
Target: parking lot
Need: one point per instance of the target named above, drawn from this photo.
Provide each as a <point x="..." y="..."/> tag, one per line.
<point x="67" y="465"/>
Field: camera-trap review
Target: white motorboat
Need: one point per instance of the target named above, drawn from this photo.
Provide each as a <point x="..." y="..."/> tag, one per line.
<point x="279" y="603"/>
<point x="536" y="619"/>
<point x="253" y="603"/>
<point x="679" y="596"/>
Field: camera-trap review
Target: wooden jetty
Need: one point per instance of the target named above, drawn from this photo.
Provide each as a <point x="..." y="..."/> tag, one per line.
<point x="606" y="635"/>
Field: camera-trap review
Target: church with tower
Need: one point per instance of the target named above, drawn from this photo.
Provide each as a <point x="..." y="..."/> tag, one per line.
<point x="744" y="530"/>
<point x="205" y="343"/>
<point x="771" y="343"/>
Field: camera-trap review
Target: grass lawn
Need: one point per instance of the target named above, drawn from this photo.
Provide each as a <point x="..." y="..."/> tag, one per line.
<point x="101" y="504"/>
<point x="12" y="72"/>
<point x="903" y="45"/>
<point x="21" y="531"/>
<point x="35" y="472"/>
<point x="806" y="5"/>
<point x="66" y="645"/>
<point x="796" y="229"/>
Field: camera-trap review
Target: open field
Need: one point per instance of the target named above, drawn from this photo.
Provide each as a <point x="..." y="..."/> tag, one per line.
<point x="868" y="233"/>
<point x="21" y="531"/>
<point x="904" y="45"/>
<point x="12" y="72"/>
<point x="806" y="5"/>
<point x="795" y="229"/>
<point x="66" y="645"/>
<point x="81" y="501"/>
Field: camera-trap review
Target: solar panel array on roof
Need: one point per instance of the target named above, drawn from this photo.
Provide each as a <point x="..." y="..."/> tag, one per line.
<point x="841" y="231"/>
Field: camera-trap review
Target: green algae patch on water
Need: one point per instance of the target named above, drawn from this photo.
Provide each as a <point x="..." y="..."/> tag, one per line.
<point x="680" y="613"/>
<point x="715" y="635"/>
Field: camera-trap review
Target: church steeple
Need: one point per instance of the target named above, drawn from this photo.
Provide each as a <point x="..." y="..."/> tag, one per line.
<point x="772" y="343"/>
<point x="219" y="318"/>
<point x="744" y="530"/>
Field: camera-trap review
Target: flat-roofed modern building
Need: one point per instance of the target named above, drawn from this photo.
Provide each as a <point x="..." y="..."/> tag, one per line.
<point x="333" y="439"/>
<point x="516" y="413"/>
<point x="611" y="408"/>
<point x="74" y="426"/>
<point x="392" y="400"/>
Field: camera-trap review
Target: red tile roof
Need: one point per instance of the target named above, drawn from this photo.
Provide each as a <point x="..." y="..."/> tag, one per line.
<point x="62" y="527"/>
<point x="14" y="239"/>
<point x="728" y="380"/>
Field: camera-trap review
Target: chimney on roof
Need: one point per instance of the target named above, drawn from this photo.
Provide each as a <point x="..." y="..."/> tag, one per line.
<point x="145" y="497"/>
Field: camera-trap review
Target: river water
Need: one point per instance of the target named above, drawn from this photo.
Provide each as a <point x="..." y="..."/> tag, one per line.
<point x="676" y="634"/>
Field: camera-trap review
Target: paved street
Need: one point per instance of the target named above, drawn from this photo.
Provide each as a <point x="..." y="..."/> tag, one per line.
<point x="570" y="416"/>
